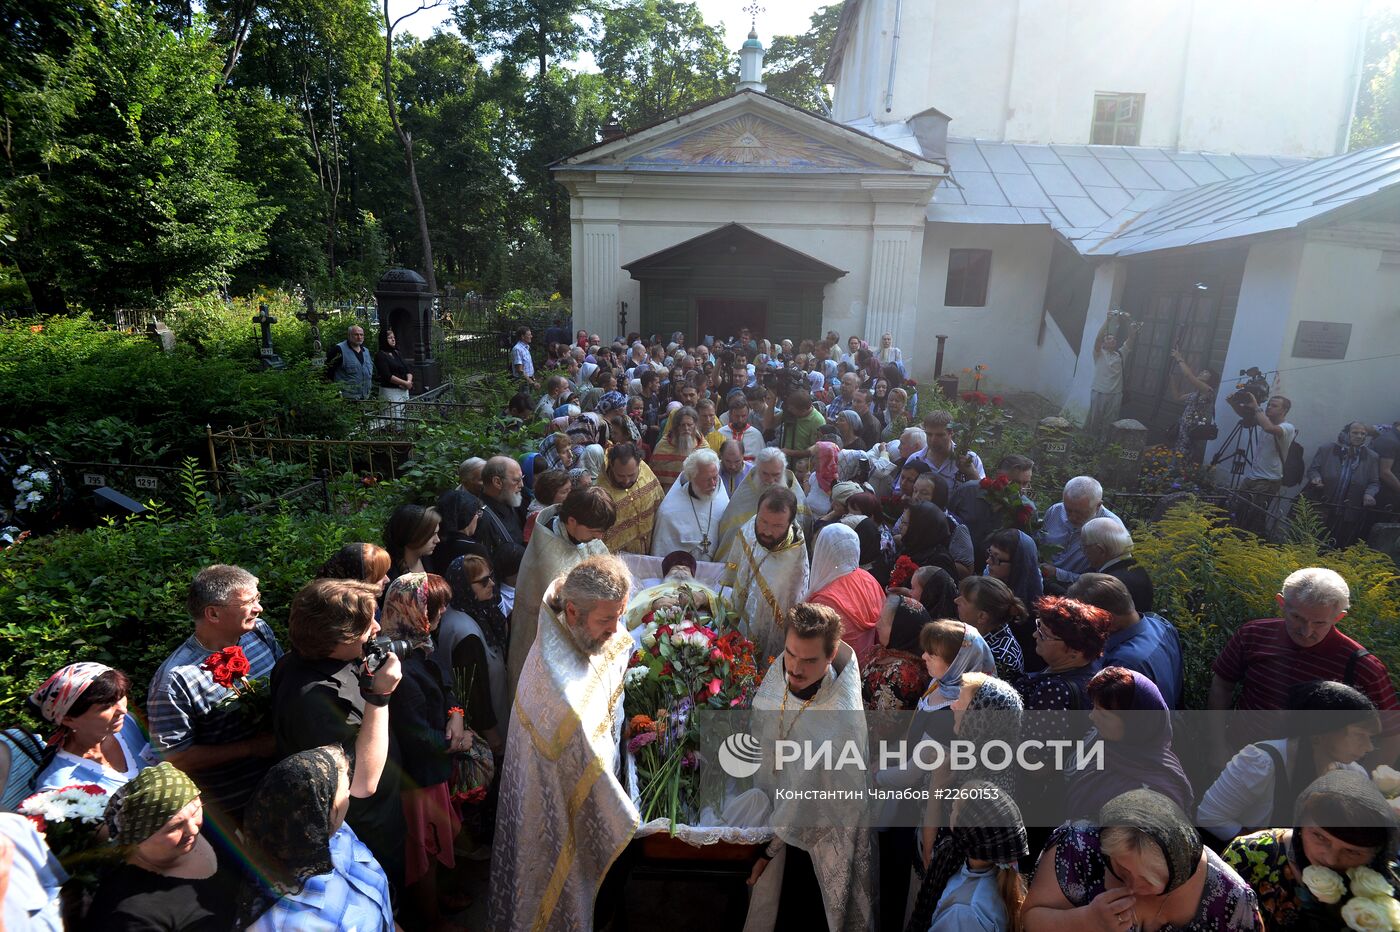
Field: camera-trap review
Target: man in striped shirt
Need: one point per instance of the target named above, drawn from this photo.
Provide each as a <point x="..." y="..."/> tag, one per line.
<point x="221" y="750"/>
<point x="1267" y="657"/>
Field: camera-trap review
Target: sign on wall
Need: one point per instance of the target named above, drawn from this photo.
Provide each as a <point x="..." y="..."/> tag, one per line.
<point x="1321" y="339"/>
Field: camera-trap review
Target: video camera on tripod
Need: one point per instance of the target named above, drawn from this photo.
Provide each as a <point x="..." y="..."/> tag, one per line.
<point x="1253" y="385"/>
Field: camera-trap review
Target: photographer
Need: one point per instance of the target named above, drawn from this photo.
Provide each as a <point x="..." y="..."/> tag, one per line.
<point x="1263" y="476"/>
<point x="1196" y="426"/>
<point x="1106" y="394"/>
<point x="325" y="691"/>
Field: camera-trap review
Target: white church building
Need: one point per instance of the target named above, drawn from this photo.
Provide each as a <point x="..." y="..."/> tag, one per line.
<point x="1006" y="174"/>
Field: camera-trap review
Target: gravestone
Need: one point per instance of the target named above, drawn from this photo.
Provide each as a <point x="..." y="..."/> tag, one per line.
<point x="1131" y="439"/>
<point x="266" y="354"/>
<point x="406" y="308"/>
<point x="1052" y="439"/>
<point x="314" y="317"/>
<point x="161" y="335"/>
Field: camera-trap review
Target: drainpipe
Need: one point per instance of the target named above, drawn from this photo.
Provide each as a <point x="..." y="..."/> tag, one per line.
<point x="894" y="55"/>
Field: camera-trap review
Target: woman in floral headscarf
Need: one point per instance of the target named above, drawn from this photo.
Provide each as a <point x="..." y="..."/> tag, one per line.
<point x="824" y="476"/>
<point x="429" y="725"/>
<point x="95" y="740"/>
<point x="171" y="877"/>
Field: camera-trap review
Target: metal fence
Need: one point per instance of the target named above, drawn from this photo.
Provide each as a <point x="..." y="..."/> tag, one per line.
<point x="266" y="439"/>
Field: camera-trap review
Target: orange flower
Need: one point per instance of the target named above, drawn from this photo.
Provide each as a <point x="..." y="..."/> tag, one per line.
<point x="639" y="724"/>
<point x="37" y="328"/>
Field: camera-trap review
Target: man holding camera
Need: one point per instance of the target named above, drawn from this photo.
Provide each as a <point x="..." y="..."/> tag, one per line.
<point x="333" y="687"/>
<point x="1106" y="394"/>
<point x="1263" y="476"/>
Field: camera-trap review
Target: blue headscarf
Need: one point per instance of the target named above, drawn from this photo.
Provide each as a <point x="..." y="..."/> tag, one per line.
<point x="973" y="657"/>
<point x="611" y="401"/>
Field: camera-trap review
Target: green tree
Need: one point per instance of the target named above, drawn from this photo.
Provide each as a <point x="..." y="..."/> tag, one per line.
<point x="660" y="57"/>
<point x="538" y="31"/>
<point x="794" y="64"/>
<point x="140" y="200"/>
<point x="1377" y="120"/>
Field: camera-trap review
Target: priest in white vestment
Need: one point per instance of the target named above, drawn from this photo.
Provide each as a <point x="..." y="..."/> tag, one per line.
<point x="818" y="865"/>
<point x="691" y="511"/>
<point x="767" y="566"/>
<point x="565" y="535"/>
<point x="564" y="817"/>
<point x="769" y="471"/>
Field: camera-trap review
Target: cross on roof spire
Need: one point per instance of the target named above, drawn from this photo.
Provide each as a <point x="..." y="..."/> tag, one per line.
<point x="753" y="9"/>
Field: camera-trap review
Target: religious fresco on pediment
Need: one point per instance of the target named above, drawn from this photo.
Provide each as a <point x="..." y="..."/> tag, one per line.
<point x="752" y="142"/>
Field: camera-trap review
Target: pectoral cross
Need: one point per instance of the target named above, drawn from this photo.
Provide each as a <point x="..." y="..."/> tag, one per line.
<point x="705" y="545"/>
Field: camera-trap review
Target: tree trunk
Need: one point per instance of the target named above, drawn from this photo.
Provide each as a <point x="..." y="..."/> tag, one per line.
<point x="406" y="138"/>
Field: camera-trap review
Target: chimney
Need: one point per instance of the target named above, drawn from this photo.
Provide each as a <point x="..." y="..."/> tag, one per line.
<point x="751" y="64"/>
<point x="612" y="130"/>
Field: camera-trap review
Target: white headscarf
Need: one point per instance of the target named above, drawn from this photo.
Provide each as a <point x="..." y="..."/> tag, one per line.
<point x="836" y="554"/>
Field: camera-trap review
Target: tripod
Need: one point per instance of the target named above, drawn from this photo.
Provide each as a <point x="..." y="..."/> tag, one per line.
<point x="1241" y="455"/>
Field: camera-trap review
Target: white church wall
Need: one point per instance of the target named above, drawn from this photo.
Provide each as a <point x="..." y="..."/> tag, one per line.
<point x="1249" y="76"/>
<point x="1002" y="334"/>
<point x="1350" y="284"/>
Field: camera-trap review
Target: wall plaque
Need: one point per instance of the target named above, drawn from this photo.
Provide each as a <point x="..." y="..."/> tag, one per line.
<point x="1321" y="339"/>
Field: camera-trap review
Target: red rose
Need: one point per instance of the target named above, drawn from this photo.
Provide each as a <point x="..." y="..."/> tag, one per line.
<point x="1023" y="515"/>
<point x="227" y="666"/>
<point x="997" y="400"/>
<point x="986" y="482"/>
<point x="1001" y="482"/>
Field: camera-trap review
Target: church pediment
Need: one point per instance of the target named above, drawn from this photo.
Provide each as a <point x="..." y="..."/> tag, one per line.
<point x="748" y="131"/>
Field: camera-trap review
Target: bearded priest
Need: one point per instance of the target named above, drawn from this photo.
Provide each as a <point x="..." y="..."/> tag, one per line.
<point x="767" y="570"/>
<point x="690" y="513"/>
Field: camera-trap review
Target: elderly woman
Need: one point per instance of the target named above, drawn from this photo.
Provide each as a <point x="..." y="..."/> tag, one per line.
<point x="1331" y="727"/>
<point x="310" y="869"/>
<point x="826" y="472"/>
<point x="896" y="414"/>
<point x="1137" y="748"/>
<point x="1345" y="478"/>
<point x="838" y="582"/>
<point x="429" y="725"/>
<point x="1109" y="549"/>
<point x="170" y="876"/>
<point x="1141" y="865"/>
<point x="1341" y="823"/>
<point x="95" y="740"/>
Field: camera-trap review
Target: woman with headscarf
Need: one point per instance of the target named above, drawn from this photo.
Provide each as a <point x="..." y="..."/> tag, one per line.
<point x="838" y="582"/>
<point x="896" y="414"/>
<point x="471" y="646"/>
<point x="1140" y="866"/>
<point x="1341" y="823"/>
<point x="94" y="739"/>
<point x="460" y="522"/>
<point x="848" y="422"/>
<point x="926" y="539"/>
<point x="825" y="473"/>
<point x="556" y="452"/>
<point x="1331" y="727"/>
<point x="309" y="868"/>
<point x="1137" y="748"/>
<point x="894" y="677"/>
<point x="937" y="592"/>
<point x="951" y="649"/>
<point x="1344" y="478"/>
<point x="1013" y="558"/>
<point x="872" y="555"/>
<point x="973" y="879"/>
<point x="170" y="876"/>
<point x="429" y="726"/>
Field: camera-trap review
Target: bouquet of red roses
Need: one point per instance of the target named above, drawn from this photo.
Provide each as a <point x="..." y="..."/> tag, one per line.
<point x="1005" y="496"/>
<point x="903" y="573"/>
<point x="230" y="668"/>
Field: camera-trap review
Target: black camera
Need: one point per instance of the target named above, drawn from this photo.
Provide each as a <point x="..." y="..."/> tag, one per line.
<point x="1253" y="385"/>
<point x="377" y="650"/>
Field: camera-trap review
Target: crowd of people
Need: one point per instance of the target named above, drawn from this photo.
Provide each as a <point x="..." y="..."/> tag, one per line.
<point x="484" y="641"/>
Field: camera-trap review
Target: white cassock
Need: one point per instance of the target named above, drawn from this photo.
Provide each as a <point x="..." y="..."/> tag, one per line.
<point x="686" y="522"/>
<point x="766" y="583"/>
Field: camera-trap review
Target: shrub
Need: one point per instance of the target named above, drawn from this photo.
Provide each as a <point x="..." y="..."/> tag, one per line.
<point x="1211" y="578"/>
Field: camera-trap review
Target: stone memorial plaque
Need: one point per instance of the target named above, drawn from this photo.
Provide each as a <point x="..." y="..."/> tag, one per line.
<point x="1321" y="339"/>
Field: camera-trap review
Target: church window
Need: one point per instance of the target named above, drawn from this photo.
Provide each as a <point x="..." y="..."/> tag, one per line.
<point x="968" y="272"/>
<point x="1117" y="119"/>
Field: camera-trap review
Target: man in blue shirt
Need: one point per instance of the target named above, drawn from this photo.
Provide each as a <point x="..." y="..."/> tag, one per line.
<point x="1147" y="643"/>
<point x="1081" y="502"/>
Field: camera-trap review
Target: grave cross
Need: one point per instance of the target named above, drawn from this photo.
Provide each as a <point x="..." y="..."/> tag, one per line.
<point x="266" y="353"/>
<point x="314" y="317"/>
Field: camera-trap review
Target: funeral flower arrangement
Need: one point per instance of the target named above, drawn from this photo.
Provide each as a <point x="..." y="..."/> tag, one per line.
<point x="1367" y="900"/>
<point x="690" y="658"/>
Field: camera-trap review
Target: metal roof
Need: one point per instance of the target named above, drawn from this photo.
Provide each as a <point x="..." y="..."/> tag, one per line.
<point x="1079" y="191"/>
<point x="1275" y="200"/>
